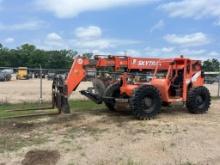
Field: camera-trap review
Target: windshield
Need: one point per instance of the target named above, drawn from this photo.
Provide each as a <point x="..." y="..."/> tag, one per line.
<point x="161" y="74"/>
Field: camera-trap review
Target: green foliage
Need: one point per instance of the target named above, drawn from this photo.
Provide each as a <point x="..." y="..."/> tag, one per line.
<point x="29" y="56"/>
<point x="211" y="65"/>
<point x="75" y="105"/>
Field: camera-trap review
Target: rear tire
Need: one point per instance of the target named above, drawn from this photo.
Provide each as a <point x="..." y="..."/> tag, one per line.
<point x="146" y="102"/>
<point x="198" y="100"/>
<point x="112" y="90"/>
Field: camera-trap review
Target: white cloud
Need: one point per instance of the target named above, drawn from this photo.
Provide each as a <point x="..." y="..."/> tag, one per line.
<point x="88" y="32"/>
<point x="158" y="26"/>
<point x="202" y="54"/>
<point x="85" y="39"/>
<point x="31" y="25"/>
<point x="130" y="52"/>
<point x="91" y="37"/>
<point x="193" y="8"/>
<point x="195" y="39"/>
<point x="9" y="40"/>
<point x="55" y="41"/>
<point x="71" y="8"/>
<point x="214" y="54"/>
<point x="217" y="23"/>
<point x="92" y="44"/>
<point x="167" y="49"/>
<point x="54" y="37"/>
<point x="172" y="52"/>
<point x="163" y="52"/>
<point x="191" y="52"/>
<point x="101" y="43"/>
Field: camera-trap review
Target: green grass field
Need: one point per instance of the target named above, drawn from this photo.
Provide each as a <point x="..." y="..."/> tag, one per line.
<point x="75" y="106"/>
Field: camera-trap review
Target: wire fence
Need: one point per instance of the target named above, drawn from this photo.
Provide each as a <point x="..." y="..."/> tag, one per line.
<point x="212" y="82"/>
<point x="38" y="86"/>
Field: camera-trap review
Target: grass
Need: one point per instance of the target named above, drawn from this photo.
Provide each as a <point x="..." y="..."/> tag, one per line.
<point x="84" y="105"/>
<point x="132" y="162"/>
<point x="75" y="106"/>
<point x="215" y="98"/>
<point x="15" y="142"/>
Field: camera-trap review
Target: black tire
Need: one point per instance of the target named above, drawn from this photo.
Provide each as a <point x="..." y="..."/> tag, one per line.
<point x="112" y="90"/>
<point x="198" y="100"/>
<point x="99" y="86"/>
<point x="146" y="95"/>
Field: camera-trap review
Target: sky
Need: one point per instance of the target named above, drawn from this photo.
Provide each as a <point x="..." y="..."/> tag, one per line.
<point x="144" y="28"/>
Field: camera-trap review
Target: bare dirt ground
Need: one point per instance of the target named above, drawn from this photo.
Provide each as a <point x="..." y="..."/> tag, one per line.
<point x="19" y="91"/>
<point x="99" y="137"/>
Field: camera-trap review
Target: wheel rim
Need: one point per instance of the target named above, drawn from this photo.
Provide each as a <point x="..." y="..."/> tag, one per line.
<point x="200" y="100"/>
<point x="148" y="104"/>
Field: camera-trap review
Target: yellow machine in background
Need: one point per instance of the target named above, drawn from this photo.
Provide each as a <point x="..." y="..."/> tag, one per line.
<point x="22" y="73"/>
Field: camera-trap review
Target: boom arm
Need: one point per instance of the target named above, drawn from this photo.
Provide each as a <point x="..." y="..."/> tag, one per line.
<point x="76" y="74"/>
<point x="62" y="89"/>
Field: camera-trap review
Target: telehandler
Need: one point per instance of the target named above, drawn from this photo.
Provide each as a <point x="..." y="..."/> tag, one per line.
<point x="145" y="84"/>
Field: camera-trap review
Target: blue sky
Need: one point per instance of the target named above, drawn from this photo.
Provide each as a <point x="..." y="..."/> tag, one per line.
<point x="158" y="28"/>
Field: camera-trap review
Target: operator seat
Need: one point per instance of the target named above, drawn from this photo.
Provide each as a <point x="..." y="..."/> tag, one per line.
<point x="177" y="84"/>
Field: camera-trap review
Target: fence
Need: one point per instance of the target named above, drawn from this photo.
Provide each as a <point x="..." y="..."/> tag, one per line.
<point x="212" y="82"/>
<point x="38" y="87"/>
<point x="31" y="90"/>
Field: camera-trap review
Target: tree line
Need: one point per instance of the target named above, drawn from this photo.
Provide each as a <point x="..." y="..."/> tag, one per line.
<point x="29" y="56"/>
<point x="212" y="65"/>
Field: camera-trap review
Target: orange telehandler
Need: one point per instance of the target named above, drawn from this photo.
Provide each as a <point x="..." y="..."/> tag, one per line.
<point x="145" y="84"/>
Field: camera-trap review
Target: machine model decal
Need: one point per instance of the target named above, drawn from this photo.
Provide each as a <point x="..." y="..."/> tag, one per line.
<point x="145" y="63"/>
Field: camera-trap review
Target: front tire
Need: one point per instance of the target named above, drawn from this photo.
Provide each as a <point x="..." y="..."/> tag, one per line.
<point x="146" y="102"/>
<point x="112" y="90"/>
<point x="198" y="100"/>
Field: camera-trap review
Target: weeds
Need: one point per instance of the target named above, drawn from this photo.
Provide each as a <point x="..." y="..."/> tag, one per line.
<point x="78" y="132"/>
<point x="15" y="142"/>
<point x="75" y="106"/>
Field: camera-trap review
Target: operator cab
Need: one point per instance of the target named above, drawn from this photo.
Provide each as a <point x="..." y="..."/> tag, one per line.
<point x="176" y="86"/>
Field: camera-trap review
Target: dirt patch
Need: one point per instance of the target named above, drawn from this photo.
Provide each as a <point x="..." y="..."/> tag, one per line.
<point x="17" y="91"/>
<point x="174" y="137"/>
<point x="16" y="126"/>
<point x="22" y="126"/>
<point x="41" y="157"/>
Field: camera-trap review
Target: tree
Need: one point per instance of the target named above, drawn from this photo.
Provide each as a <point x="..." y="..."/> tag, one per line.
<point x="29" y="56"/>
<point x="89" y="55"/>
<point x="211" y="65"/>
